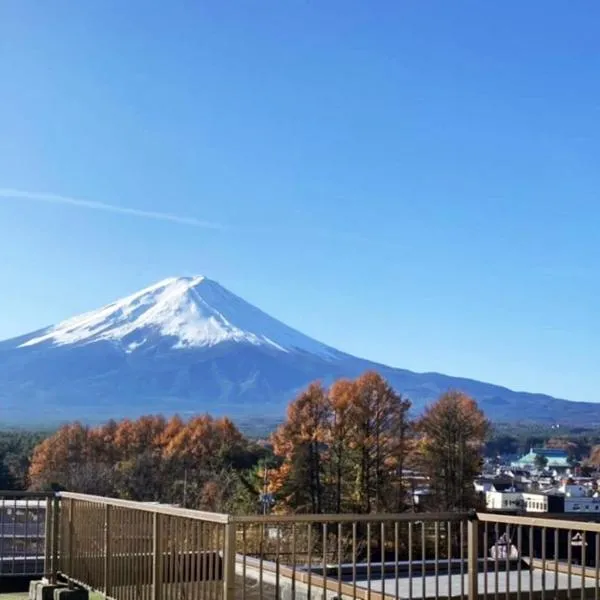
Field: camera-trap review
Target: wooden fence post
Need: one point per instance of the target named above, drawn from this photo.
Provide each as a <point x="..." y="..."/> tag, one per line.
<point x="48" y="538"/>
<point x="107" y="553"/>
<point x="54" y="556"/>
<point x="473" y="556"/>
<point x="71" y="557"/>
<point x="229" y="561"/>
<point x="157" y="558"/>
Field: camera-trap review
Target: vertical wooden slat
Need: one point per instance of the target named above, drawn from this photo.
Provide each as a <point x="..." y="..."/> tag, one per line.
<point x="135" y="559"/>
<point x="217" y="530"/>
<point x="520" y="557"/>
<point x="55" y="538"/>
<point x="473" y="558"/>
<point x="462" y="559"/>
<point x="204" y="534"/>
<point x="507" y="563"/>
<point x="382" y="558"/>
<point x="309" y="558"/>
<point x="556" y="542"/>
<point x="397" y="559"/>
<point x="410" y="560"/>
<point x="175" y="541"/>
<point x="531" y="534"/>
<point x="354" y="559"/>
<point x="324" y="562"/>
<point x="71" y="538"/>
<point x="294" y="560"/>
<point x="171" y="540"/>
<point x="423" y="559"/>
<point x="339" y="561"/>
<point x="189" y="532"/>
<point x="149" y="554"/>
<point x="193" y="545"/>
<point x="48" y="539"/>
<point x="369" y="560"/>
<point x="486" y="562"/>
<point x="128" y="562"/>
<point x="244" y="565"/>
<point x="570" y="561"/>
<point x="597" y="564"/>
<point x="229" y="566"/>
<point x="126" y="528"/>
<point x="583" y="565"/>
<point x="182" y="538"/>
<point x="449" y="555"/>
<point x="436" y="554"/>
<point x="14" y="537"/>
<point x="26" y="530"/>
<point x="496" y="573"/>
<point x="261" y="562"/>
<point x="544" y="533"/>
<point x="157" y="557"/>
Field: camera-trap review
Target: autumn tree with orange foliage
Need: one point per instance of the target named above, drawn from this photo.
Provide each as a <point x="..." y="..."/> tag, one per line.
<point x="342" y="395"/>
<point x="449" y="451"/>
<point x="148" y="459"/>
<point x="68" y="460"/>
<point x="300" y="442"/>
<point x="378" y="439"/>
<point x="343" y="449"/>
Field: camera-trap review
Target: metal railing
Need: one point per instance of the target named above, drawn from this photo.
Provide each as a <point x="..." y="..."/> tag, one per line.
<point x="350" y="556"/>
<point x="543" y="558"/>
<point x="143" y="551"/>
<point x="26" y="534"/>
<point x="138" y="551"/>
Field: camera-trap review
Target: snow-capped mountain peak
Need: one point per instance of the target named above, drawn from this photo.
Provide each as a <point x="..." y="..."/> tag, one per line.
<point x="188" y="312"/>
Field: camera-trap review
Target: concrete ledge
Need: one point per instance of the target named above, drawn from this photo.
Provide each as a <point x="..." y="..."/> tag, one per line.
<point x="40" y="590"/>
<point x="71" y="594"/>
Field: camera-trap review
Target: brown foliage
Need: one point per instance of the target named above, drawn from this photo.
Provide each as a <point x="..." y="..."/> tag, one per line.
<point x="299" y="442"/>
<point x="449" y="451"/>
<point x="144" y="459"/>
<point x="594" y="457"/>
<point x="344" y="448"/>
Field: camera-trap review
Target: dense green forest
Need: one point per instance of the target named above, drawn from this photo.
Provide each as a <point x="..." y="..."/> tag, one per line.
<point x="518" y="438"/>
<point x="16" y="450"/>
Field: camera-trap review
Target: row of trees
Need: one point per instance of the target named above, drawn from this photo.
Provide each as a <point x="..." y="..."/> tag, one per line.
<point x="202" y="463"/>
<point x="347" y="449"/>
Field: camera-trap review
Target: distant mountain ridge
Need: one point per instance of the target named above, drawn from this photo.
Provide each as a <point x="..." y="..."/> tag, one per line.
<point x="188" y="345"/>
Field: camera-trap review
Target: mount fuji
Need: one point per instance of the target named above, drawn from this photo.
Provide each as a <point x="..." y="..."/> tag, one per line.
<point x="187" y="345"/>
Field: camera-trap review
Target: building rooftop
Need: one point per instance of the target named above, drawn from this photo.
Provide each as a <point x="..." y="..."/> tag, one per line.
<point x="556" y="457"/>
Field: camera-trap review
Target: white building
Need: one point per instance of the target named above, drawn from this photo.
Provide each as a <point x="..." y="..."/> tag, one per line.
<point x="512" y="501"/>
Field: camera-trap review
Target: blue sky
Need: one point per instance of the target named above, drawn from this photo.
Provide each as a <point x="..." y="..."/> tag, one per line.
<point x="416" y="183"/>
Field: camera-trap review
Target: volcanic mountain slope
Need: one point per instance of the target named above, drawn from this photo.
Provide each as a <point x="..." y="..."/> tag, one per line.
<point x="188" y="345"/>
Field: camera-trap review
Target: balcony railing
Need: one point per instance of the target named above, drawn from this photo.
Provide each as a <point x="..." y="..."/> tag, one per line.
<point x="25" y="534"/>
<point x="137" y="551"/>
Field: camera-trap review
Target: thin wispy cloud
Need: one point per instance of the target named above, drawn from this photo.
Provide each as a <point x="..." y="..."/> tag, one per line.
<point x="103" y="206"/>
<point x="286" y="232"/>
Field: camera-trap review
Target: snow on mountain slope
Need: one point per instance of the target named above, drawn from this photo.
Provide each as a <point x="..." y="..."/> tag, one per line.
<point x="193" y="312"/>
<point x="187" y="345"/>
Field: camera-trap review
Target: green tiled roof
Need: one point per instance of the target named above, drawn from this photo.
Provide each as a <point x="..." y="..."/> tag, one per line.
<point x="555" y="456"/>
